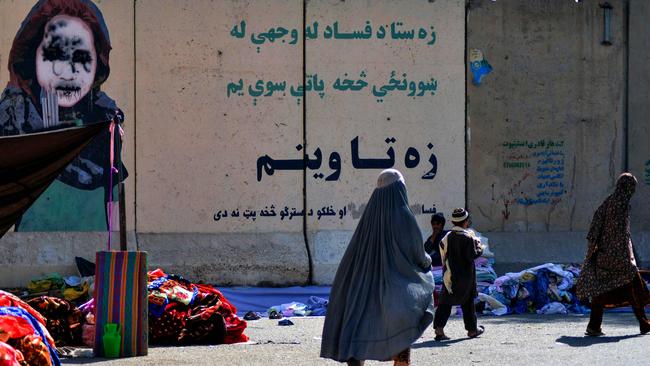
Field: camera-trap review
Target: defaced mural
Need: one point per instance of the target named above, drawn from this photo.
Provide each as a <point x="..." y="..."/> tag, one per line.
<point x="58" y="61"/>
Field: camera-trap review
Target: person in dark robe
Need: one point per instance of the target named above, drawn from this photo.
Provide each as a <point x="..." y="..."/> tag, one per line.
<point x="432" y="245"/>
<point x="458" y="249"/>
<point x="609" y="276"/>
<point x="382" y="296"/>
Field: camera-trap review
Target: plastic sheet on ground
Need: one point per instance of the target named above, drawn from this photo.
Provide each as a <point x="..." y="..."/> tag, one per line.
<point x="260" y="299"/>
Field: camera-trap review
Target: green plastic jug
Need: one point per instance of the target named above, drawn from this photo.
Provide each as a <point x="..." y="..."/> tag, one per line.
<point x="112" y="340"/>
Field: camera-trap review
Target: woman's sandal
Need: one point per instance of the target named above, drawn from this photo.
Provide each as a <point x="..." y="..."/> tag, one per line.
<point x="594" y="333"/>
<point x="479" y="330"/>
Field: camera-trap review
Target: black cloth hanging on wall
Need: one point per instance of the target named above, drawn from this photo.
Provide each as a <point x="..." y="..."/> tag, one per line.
<point x="29" y="163"/>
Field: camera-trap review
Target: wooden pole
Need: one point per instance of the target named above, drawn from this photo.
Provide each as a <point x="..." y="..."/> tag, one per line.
<point x="120" y="187"/>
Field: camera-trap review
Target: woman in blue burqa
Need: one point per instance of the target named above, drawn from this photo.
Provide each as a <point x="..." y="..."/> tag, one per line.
<point x="382" y="296"/>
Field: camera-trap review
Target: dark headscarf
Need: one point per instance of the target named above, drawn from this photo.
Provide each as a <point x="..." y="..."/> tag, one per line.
<point x="381" y="299"/>
<point x="608" y="263"/>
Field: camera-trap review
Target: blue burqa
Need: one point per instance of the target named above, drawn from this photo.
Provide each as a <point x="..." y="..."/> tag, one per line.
<point x="382" y="296"/>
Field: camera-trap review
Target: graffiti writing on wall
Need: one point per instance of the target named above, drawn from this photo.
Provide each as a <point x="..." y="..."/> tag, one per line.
<point x="290" y="213"/>
<point x="396" y="84"/>
<point x="396" y="31"/>
<point x="411" y="160"/>
<point x="647" y="172"/>
<point x="398" y="81"/>
<point x="542" y="162"/>
<point x="401" y="66"/>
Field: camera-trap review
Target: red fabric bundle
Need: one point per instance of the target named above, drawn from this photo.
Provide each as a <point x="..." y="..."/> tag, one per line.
<point x="208" y="319"/>
<point x="14" y="327"/>
<point x="10" y="356"/>
<point x="22" y="344"/>
<point x="8" y="299"/>
<point x="165" y="330"/>
<point x="235" y="326"/>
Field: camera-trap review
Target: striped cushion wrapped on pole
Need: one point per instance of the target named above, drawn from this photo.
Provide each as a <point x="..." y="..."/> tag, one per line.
<point x="121" y="297"/>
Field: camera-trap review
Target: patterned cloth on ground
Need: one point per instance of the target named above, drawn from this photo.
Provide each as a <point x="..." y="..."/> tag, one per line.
<point x="64" y="320"/>
<point x="185" y="313"/>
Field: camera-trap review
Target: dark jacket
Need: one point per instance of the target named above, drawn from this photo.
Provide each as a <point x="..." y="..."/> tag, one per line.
<point x="459" y="249"/>
<point x="432" y="247"/>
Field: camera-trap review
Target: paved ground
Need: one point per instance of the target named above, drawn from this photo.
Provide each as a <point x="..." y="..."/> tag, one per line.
<point x="509" y="340"/>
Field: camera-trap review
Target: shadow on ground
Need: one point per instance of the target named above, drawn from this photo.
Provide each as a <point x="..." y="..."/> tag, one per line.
<point x="590" y="341"/>
<point x="433" y="343"/>
<point x="614" y="318"/>
<point x="83" y="361"/>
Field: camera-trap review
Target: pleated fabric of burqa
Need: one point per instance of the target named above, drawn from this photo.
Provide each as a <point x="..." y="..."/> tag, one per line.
<point x="381" y="299"/>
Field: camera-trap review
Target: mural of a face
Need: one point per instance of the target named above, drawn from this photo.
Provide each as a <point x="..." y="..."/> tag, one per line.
<point x="66" y="59"/>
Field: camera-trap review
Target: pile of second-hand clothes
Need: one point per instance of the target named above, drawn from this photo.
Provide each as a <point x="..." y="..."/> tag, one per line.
<point x="72" y="288"/>
<point x="76" y="289"/>
<point x="64" y="320"/>
<point x="24" y="338"/>
<point x="182" y="313"/>
<point x="544" y="289"/>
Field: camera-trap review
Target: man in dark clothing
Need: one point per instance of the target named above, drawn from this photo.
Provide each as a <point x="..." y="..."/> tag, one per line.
<point x="431" y="246"/>
<point x="458" y="250"/>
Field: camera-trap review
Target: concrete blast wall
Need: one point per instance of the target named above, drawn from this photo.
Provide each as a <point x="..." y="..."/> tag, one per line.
<point x="224" y="123"/>
<point x="548" y="126"/>
<point x="255" y="130"/>
<point x="222" y="106"/>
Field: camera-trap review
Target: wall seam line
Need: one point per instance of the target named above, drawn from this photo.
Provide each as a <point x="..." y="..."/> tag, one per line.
<point x="135" y="135"/>
<point x="626" y="91"/>
<point x="310" y="278"/>
<point x="467" y="6"/>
